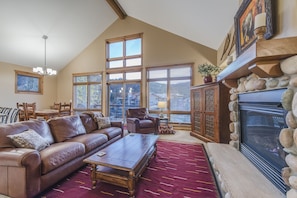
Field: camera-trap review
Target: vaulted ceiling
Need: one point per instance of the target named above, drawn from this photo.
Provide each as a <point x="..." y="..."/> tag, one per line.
<point x="71" y="25"/>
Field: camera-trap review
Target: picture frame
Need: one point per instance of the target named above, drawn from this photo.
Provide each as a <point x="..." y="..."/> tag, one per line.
<point x="244" y="22"/>
<point x="29" y="83"/>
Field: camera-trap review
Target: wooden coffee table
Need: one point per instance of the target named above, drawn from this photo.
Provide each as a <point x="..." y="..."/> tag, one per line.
<point x="123" y="161"/>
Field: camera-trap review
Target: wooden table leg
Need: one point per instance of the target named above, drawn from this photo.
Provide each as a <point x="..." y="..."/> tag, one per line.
<point x="131" y="184"/>
<point x="93" y="176"/>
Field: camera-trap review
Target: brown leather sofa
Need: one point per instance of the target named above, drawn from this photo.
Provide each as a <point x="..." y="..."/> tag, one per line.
<point x="139" y="121"/>
<point x="27" y="172"/>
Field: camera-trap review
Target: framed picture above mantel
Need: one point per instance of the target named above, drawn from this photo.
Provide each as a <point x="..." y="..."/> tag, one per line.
<point x="28" y="83"/>
<point x="244" y="22"/>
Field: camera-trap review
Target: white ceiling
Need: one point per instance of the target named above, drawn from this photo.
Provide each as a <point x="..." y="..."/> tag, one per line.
<point x="71" y="25"/>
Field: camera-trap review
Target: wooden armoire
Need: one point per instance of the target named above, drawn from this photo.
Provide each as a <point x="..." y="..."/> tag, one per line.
<point x="210" y="113"/>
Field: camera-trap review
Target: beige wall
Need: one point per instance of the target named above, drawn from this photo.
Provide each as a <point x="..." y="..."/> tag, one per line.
<point x="7" y="89"/>
<point x="159" y="48"/>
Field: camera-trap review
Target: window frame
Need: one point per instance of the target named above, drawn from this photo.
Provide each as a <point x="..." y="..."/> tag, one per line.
<point x="168" y="79"/>
<point x="88" y="83"/>
<point x="124" y="58"/>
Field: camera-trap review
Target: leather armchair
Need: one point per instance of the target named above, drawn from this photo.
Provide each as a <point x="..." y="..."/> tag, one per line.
<point x="139" y="121"/>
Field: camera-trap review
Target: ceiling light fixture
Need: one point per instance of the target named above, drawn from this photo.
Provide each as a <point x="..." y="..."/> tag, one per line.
<point x="44" y="70"/>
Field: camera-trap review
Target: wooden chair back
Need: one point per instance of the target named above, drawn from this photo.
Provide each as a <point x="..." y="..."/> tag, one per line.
<point x="56" y="106"/>
<point x="22" y="112"/>
<point x="65" y="109"/>
<point x="30" y="110"/>
<point x="27" y="111"/>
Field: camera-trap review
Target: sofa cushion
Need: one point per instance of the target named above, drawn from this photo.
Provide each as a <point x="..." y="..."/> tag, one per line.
<point x="64" y="128"/>
<point x="10" y="129"/>
<point x="111" y="132"/>
<point x="29" y="139"/>
<point x="42" y="128"/>
<point x="59" y="154"/>
<point x="90" y="140"/>
<point x="103" y="122"/>
<point x="88" y="122"/>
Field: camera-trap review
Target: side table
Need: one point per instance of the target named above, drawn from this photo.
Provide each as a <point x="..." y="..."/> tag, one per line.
<point x="163" y="121"/>
<point x="164" y="128"/>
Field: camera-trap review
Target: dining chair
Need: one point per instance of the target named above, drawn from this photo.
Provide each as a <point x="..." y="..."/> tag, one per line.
<point x="65" y="109"/>
<point x="56" y="106"/>
<point x="30" y="110"/>
<point x="22" y="112"/>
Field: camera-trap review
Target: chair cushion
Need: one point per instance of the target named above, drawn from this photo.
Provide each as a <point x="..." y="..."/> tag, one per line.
<point x="146" y="124"/>
<point x="59" y="154"/>
<point x="64" y="128"/>
<point x="29" y="139"/>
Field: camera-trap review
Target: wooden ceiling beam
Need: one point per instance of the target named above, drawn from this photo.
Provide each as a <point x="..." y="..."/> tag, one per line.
<point x="114" y="4"/>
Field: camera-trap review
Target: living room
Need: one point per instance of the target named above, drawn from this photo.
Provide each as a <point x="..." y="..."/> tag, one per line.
<point x="161" y="48"/>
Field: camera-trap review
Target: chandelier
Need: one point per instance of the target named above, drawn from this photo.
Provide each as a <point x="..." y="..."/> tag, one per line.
<point x="44" y="70"/>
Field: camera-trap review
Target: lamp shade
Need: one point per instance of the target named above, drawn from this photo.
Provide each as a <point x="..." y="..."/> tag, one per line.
<point x="162" y="104"/>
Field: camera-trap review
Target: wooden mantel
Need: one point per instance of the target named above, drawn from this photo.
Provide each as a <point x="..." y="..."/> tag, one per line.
<point x="262" y="58"/>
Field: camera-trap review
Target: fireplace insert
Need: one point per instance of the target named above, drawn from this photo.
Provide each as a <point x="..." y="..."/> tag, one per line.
<point x="261" y="120"/>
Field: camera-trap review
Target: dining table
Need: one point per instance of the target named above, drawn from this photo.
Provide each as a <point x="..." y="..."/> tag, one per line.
<point x="47" y="113"/>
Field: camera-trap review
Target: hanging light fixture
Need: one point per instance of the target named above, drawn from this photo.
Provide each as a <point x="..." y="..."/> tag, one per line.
<point x="44" y="70"/>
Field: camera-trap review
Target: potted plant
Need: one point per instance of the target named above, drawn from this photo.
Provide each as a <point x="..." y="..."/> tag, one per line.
<point x="207" y="70"/>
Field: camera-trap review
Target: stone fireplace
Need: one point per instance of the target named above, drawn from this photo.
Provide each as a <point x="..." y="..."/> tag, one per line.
<point x="287" y="85"/>
<point x="263" y="123"/>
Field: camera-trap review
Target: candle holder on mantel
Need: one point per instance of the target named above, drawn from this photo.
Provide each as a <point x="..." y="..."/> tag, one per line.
<point x="260" y="25"/>
<point x="260" y="32"/>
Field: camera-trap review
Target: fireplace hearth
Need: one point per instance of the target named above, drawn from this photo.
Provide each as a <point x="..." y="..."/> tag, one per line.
<point x="261" y="120"/>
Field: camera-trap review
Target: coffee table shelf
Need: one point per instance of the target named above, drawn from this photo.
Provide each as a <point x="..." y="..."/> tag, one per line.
<point x="124" y="161"/>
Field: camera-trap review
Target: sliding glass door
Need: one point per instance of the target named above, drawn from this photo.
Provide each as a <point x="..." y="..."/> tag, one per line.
<point x="123" y="96"/>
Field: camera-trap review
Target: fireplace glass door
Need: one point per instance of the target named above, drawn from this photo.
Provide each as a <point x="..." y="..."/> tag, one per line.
<point x="261" y="119"/>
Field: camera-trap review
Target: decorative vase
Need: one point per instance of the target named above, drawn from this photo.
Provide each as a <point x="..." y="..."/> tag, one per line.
<point x="207" y="79"/>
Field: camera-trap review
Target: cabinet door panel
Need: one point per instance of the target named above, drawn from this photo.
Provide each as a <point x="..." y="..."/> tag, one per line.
<point x="209" y="130"/>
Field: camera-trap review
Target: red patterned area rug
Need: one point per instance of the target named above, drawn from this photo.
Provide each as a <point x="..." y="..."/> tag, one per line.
<point x="179" y="171"/>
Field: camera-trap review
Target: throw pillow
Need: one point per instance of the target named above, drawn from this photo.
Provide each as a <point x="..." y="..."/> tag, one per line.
<point x="29" y="139"/>
<point x="103" y="122"/>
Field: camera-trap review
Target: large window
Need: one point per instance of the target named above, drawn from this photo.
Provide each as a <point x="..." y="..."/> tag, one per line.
<point x="87" y="92"/>
<point x="123" y="74"/>
<point x="171" y="84"/>
<point x="124" y="52"/>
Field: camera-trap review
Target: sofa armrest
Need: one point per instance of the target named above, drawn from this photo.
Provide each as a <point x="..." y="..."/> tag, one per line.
<point x="19" y="157"/>
<point x="119" y="124"/>
<point x="20" y="171"/>
<point x="133" y="120"/>
<point x="133" y="125"/>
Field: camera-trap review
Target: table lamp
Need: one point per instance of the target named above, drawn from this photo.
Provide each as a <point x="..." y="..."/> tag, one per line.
<point x="161" y="106"/>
